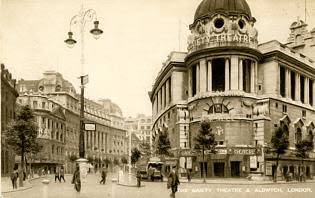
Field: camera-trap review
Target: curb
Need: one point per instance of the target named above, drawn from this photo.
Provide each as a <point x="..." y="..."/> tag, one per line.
<point x="132" y="186"/>
<point x="248" y="183"/>
<point x="22" y="188"/>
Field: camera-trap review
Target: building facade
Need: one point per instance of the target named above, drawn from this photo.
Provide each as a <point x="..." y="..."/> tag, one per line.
<point x="107" y="117"/>
<point x="8" y="102"/>
<point x="141" y="126"/>
<point x="247" y="90"/>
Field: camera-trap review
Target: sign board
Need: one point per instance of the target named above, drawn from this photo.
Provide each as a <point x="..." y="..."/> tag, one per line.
<point x="89" y="126"/>
<point x="189" y="162"/>
<point x="182" y="161"/>
<point x="268" y="169"/>
<point x="85" y="79"/>
<point x="253" y="161"/>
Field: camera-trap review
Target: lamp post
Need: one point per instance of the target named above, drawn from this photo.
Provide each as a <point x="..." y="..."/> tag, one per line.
<point x="80" y="20"/>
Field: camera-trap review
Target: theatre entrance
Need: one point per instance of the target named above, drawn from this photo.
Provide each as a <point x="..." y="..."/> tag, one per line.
<point x="235" y="169"/>
<point x="218" y="168"/>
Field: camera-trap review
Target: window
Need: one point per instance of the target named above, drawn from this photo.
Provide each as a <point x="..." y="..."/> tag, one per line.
<point x="52" y="149"/>
<point x="218" y="108"/>
<point x="302" y="85"/>
<point x="219" y="23"/>
<point x="43" y="105"/>
<point x="185" y="144"/>
<point x="284" y="108"/>
<point x="303" y="113"/>
<point x="311" y="92"/>
<point x="276" y="105"/>
<point x="282" y="81"/>
<point x="194" y="80"/>
<point x="34" y="104"/>
<point x="298" y="135"/>
<point x="218" y="74"/>
<point x="246" y="75"/>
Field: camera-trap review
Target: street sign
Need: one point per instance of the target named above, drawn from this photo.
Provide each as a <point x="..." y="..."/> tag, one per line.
<point x="89" y="126"/>
<point x="84" y="79"/>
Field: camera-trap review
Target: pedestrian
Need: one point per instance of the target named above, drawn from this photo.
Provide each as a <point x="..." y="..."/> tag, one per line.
<point x="188" y="175"/>
<point x="173" y="182"/>
<point x="103" y="175"/>
<point x="138" y="178"/>
<point x="76" y="179"/>
<point x="62" y="175"/>
<point x="57" y="174"/>
<point x="14" y="179"/>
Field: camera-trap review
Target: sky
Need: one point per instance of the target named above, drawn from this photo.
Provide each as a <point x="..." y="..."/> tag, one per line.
<point x="138" y="36"/>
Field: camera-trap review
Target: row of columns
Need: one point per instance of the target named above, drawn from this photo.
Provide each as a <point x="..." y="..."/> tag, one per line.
<point x="233" y="75"/>
<point x="297" y="91"/>
<point x="43" y="122"/>
<point x="96" y="139"/>
<point x="163" y="96"/>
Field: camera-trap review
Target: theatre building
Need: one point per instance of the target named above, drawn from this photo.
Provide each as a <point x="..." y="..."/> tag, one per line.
<point x="246" y="89"/>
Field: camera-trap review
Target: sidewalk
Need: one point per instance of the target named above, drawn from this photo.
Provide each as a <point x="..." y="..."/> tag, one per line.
<point x="6" y="184"/>
<point x="238" y="181"/>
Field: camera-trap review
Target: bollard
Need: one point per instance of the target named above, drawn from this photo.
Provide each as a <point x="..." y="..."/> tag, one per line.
<point x="45" y="188"/>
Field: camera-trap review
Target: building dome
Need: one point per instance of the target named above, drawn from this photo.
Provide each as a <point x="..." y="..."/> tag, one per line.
<point x="208" y="8"/>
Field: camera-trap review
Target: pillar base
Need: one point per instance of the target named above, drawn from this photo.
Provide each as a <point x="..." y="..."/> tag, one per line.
<point x="83" y="165"/>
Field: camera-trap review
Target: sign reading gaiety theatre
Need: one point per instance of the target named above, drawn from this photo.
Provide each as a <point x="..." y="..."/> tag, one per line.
<point x="208" y="40"/>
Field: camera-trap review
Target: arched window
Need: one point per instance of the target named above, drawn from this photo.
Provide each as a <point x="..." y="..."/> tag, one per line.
<point x="310" y="136"/>
<point x="298" y="135"/>
<point x="286" y="129"/>
<point x="218" y="108"/>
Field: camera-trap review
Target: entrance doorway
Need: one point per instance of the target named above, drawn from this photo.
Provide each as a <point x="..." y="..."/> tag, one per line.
<point x="235" y="169"/>
<point x="218" y="169"/>
<point x="202" y="169"/>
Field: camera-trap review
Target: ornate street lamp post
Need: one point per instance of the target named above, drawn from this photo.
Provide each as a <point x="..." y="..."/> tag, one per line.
<point x="80" y="20"/>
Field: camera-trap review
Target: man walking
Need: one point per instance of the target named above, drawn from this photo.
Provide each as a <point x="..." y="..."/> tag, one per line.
<point x="173" y="182"/>
<point x="76" y="179"/>
<point x="138" y="179"/>
<point x="103" y="175"/>
<point x="57" y="174"/>
<point x="62" y="175"/>
<point x="14" y="179"/>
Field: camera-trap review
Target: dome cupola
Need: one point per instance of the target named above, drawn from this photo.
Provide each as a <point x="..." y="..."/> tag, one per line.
<point x="222" y="23"/>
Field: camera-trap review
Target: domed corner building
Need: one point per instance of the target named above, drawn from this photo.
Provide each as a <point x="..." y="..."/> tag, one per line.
<point x="247" y="90"/>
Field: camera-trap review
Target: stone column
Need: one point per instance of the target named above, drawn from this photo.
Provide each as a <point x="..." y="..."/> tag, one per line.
<point x="287" y="83"/>
<point x="256" y="76"/>
<point x="234" y="73"/>
<point x="227" y="74"/>
<point x="313" y="95"/>
<point x="163" y="96"/>
<point x="240" y="75"/>
<point x="198" y="78"/>
<point x="252" y="77"/>
<point x="189" y="82"/>
<point x="306" y="90"/>
<point x="167" y="92"/>
<point x="85" y="141"/>
<point x="209" y="76"/>
<point x="203" y="75"/>
<point x="297" y="87"/>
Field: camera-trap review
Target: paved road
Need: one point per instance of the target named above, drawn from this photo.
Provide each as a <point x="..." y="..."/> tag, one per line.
<point x="158" y="190"/>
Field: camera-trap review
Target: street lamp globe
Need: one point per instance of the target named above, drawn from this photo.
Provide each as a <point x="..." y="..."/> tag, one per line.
<point x="96" y="31"/>
<point x="70" y="41"/>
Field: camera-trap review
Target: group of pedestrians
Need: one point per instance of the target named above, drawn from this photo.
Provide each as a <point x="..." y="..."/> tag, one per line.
<point x="60" y="174"/>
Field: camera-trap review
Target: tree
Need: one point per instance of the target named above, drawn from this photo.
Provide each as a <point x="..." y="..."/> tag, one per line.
<point x="163" y="144"/>
<point x="279" y="144"/>
<point x="302" y="151"/>
<point x="135" y="155"/>
<point x="145" y="149"/>
<point x="21" y="135"/>
<point x="205" y="140"/>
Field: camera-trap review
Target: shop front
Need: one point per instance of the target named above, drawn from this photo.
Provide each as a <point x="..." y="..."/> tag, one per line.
<point x="230" y="162"/>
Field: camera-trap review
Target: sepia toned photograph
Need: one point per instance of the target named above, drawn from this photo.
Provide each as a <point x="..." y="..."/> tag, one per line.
<point x="157" y="98"/>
